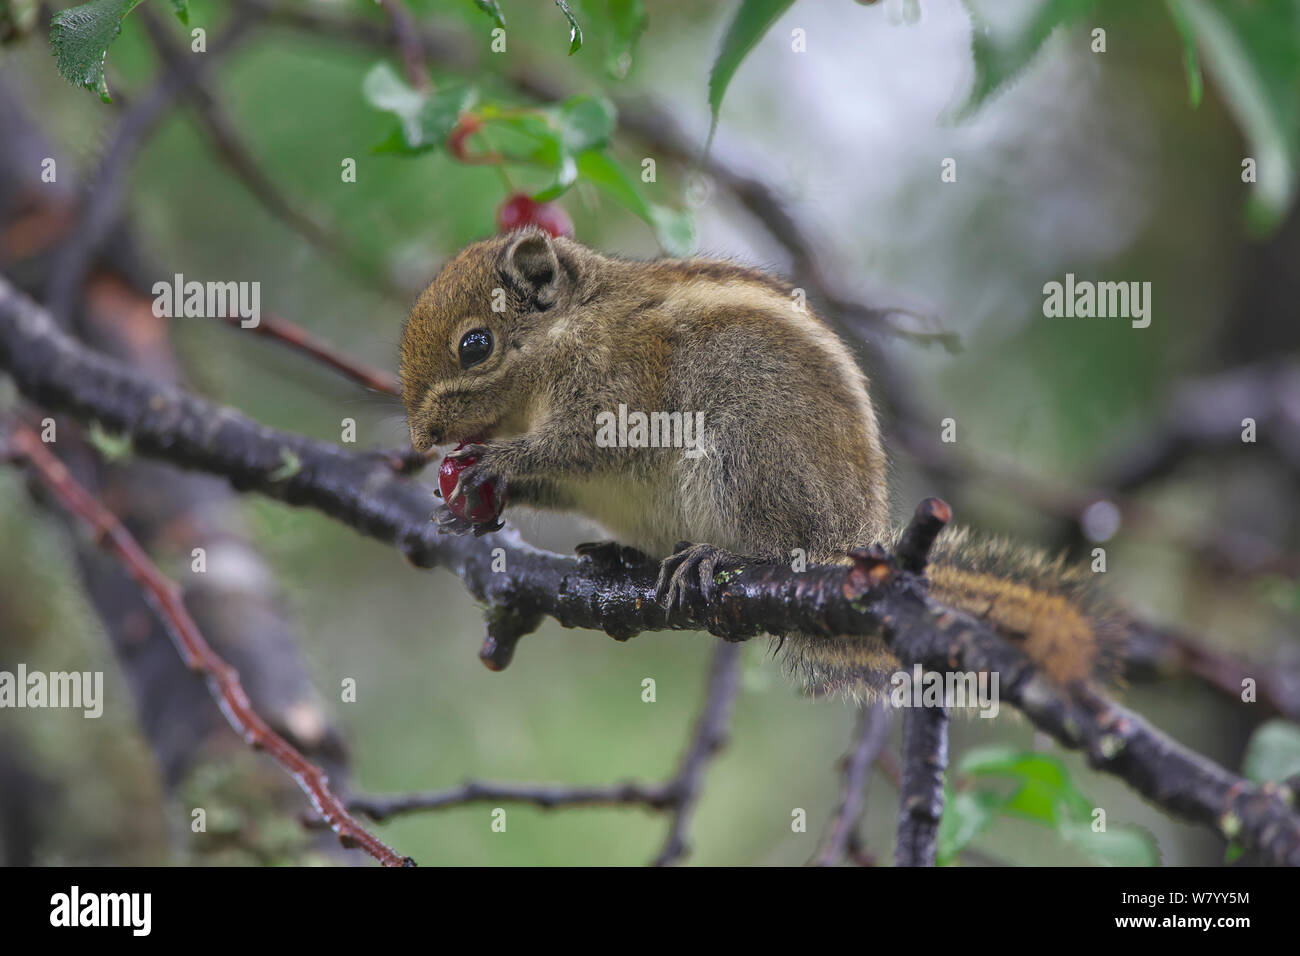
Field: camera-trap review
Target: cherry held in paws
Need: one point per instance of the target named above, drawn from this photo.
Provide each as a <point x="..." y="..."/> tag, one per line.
<point x="487" y="508"/>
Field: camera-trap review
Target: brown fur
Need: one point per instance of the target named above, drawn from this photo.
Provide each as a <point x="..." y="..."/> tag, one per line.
<point x="793" y="456"/>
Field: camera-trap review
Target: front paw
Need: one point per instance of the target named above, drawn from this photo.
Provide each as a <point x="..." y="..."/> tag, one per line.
<point x="473" y="488"/>
<point x="449" y="522"/>
<point x="686" y="577"/>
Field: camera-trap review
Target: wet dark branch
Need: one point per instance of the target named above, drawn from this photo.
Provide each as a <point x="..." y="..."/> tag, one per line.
<point x="873" y="595"/>
<point x="925" y="759"/>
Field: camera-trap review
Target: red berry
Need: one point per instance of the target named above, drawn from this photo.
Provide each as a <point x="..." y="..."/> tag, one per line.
<point x="488" y="507"/>
<point x="522" y="210"/>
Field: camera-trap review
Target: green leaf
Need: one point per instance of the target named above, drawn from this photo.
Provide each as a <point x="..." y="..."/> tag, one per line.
<point x="999" y="59"/>
<point x="1273" y="752"/>
<point x="598" y="168"/>
<point x="493" y="10"/>
<point x="575" y="31"/>
<point x="753" y="19"/>
<point x="81" y="36"/>
<point x="1046" y="794"/>
<point x="675" y="230"/>
<point x="566" y="174"/>
<point x="1114" y="846"/>
<point x="558" y="135"/>
<point x="182" y="10"/>
<point x="586" y="122"/>
<point x="426" y="120"/>
<point x="1253" y="52"/>
<point x="1191" y="60"/>
<point x="628" y="21"/>
<point x="966" y="815"/>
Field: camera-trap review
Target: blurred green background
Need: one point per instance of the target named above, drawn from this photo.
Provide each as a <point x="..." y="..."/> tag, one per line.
<point x="1089" y="163"/>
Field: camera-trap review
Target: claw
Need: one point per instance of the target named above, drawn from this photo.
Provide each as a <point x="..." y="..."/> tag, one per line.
<point x="688" y="574"/>
<point x="449" y="523"/>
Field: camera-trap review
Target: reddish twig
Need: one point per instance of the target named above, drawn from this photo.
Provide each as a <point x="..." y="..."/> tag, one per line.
<point x="222" y="679"/>
<point x="296" y="337"/>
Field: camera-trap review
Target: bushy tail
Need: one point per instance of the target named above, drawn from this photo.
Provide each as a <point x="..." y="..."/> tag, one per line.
<point x="1053" y="611"/>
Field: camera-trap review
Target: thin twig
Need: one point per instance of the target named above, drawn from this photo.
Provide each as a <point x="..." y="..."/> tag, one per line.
<point x="547" y="796"/>
<point x="709" y="736"/>
<point x="869" y="739"/>
<point x="1160" y="651"/>
<point x="222" y="679"/>
<point x="288" y="333"/>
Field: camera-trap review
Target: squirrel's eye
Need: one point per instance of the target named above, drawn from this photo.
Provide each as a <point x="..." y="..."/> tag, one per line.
<point x="475" y="347"/>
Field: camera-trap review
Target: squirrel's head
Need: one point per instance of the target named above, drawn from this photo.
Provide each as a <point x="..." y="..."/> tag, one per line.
<point x="468" y="345"/>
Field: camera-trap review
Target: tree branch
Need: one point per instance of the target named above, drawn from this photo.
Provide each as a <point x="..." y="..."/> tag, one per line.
<point x="925" y="759"/>
<point x="873" y="595"/>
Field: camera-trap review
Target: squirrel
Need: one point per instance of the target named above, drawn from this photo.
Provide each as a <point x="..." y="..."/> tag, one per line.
<point x="524" y="341"/>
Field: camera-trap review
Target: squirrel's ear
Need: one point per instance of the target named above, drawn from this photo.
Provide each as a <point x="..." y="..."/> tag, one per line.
<point x="532" y="267"/>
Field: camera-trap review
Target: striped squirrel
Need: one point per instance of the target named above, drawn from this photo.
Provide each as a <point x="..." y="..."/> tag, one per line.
<point x="525" y="341"/>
